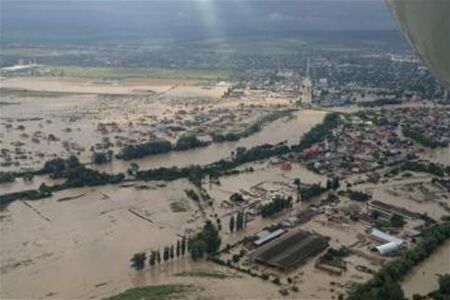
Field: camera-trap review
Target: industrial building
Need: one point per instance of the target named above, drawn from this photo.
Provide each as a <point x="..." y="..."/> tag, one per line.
<point x="264" y="236"/>
<point x="390" y="210"/>
<point x="391" y="243"/>
<point x="289" y="251"/>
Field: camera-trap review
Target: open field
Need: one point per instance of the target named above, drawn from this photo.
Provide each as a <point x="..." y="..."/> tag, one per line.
<point x="77" y="85"/>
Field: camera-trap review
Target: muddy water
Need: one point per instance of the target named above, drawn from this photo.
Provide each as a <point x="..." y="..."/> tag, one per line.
<point x="423" y="278"/>
<point x="21" y="185"/>
<point x="440" y="155"/>
<point x="404" y="199"/>
<point x="93" y="236"/>
<point x="80" y="248"/>
<point x="278" y="131"/>
<point x="82" y="86"/>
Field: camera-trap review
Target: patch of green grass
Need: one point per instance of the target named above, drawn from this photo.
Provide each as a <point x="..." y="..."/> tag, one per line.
<point x="207" y="274"/>
<point x="154" y="292"/>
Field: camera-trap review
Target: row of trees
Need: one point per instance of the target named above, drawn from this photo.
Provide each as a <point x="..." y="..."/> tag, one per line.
<point x="74" y="173"/>
<point x="206" y="241"/>
<point x="421" y="138"/>
<point x="319" y="132"/>
<point x="160" y="146"/>
<point x="155" y="257"/>
<point x="311" y="191"/>
<point x="426" y="167"/>
<point x="100" y="158"/>
<point x="237" y="223"/>
<point x="140" y="150"/>
<point x="277" y="204"/>
<point x="253" y="128"/>
<point x="186" y="142"/>
<point x="6" y="177"/>
<point x="384" y="286"/>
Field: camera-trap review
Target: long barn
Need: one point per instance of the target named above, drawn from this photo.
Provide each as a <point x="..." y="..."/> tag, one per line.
<point x="289" y="251"/>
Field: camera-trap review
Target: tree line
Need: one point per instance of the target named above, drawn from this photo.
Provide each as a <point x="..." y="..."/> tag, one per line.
<point x="160" y="146"/>
<point x="237" y="223"/>
<point x="421" y="138"/>
<point x="138" y="260"/>
<point x="206" y="242"/>
<point x="277" y="204"/>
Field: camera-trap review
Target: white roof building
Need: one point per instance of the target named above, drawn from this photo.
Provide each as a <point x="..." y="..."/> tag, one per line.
<point x="392" y="243"/>
<point x="265" y="236"/>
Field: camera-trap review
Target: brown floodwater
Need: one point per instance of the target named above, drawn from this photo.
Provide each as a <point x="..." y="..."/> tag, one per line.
<point x="279" y="131"/>
<point x="65" y="248"/>
<point x="440" y="155"/>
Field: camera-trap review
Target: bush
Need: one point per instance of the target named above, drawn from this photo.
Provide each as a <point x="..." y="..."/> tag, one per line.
<point x="276" y="280"/>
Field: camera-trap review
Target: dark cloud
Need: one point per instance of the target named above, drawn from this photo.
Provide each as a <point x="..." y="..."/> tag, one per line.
<point x="99" y="20"/>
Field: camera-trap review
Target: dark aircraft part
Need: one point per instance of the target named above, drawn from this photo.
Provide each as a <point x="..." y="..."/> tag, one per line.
<point x="426" y="24"/>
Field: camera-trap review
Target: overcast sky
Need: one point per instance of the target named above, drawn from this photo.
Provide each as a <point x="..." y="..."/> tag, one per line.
<point x="105" y="19"/>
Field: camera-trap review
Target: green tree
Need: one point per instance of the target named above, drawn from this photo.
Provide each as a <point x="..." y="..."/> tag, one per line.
<point x="197" y="248"/>
<point x="444" y="284"/>
<point x="158" y="256"/>
<point x="166" y="253"/>
<point x="231" y="224"/>
<point x="183" y="245"/>
<point x="390" y="290"/>
<point x="45" y="189"/>
<point x="138" y="261"/>
<point x="397" y="221"/>
<point x="152" y="259"/>
<point x="239" y="221"/>
<point x="178" y="250"/>
<point x="211" y="236"/>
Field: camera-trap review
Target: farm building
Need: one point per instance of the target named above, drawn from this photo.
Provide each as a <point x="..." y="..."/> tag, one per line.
<point x="264" y="236"/>
<point x="291" y="250"/>
<point x="391" y="243"/>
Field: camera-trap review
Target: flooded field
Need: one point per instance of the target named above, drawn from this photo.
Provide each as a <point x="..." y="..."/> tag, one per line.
<point x="440" y="155"/>
<point x="91" y="232"/>
<point x="87" y="231"/>
<point x="85" y="86"/>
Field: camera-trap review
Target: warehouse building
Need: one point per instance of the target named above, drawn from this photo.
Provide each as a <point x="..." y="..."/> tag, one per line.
<point x="391" y="243"/>
<point x="290" y="250"/>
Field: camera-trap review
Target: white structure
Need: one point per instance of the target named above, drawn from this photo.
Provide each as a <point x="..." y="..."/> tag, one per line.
<point x="265" y="236"/>
<point x="392" y="243"/>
